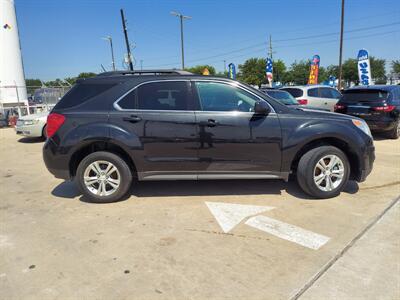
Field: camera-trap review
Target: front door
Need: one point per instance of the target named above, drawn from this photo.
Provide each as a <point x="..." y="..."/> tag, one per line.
<point x="233" y="141"/>
<point x="160" y="116"/>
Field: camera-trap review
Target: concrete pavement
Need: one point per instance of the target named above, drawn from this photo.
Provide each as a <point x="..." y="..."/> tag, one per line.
<point x="164" y="242"/>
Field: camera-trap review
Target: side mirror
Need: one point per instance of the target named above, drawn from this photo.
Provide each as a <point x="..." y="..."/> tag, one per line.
<point x="262" y="108"/>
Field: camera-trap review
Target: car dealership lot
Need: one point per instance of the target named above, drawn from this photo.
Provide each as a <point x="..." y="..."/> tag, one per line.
<point x="164" y="242"/>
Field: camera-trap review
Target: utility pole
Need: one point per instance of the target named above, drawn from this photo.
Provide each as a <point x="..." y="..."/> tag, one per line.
<point x="341" y="47"/>
<point x="128" y="47"/>
<point x="270" y="52"/>
<point x="109" y="38"/>
<point x="141" y="64"/>
<point x="181" y="17"/>
<point x="224" y="66"/>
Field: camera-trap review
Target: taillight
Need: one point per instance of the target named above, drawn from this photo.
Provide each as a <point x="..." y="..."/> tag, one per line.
<point x="339" y="107"/>
<point x="54" y="122"/>
<point x="386" y="108"/>
<point x="302" y="101"/>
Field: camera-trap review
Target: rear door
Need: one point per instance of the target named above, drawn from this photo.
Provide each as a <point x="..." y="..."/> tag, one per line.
<point x="159" y="115"/>
<point x="232" y="140"/>
<point x="329" y="97"/>
<point x="314" y="98"/>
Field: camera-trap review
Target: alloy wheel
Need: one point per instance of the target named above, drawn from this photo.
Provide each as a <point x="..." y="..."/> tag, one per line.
<point x="328" y="173"/>
<point x="102" y="178"/>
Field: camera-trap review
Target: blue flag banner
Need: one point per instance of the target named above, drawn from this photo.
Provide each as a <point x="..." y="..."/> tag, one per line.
<point x="364" y="67"/>
<point x="269" y="70"/>
<point x="232" y="71"/>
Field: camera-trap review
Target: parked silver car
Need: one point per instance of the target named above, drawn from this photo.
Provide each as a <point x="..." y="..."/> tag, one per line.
<point x="32" y="125"/>
<point x="321" y="96"/>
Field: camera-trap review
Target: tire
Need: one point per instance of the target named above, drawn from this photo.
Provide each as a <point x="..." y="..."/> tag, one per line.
<point x="307" y="170"/>
<point x="44" y="132"/>
<point x="105" y="189"/>
<point x="395" y="132"/>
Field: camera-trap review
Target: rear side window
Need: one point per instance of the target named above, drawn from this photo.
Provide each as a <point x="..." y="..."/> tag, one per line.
<point x="359" y="95"/>
<point x="81" y="93"/>
<point x="168" y="95"/>
<point x="314" y="93"/>
<point x="294" y="92"/>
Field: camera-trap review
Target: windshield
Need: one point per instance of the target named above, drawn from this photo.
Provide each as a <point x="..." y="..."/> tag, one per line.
<point x="283" y="97"/>
<point x="359" y="95"/>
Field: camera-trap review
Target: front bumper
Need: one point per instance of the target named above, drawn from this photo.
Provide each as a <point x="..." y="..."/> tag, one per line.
<point x="35" y="130"/>
<point x="367" y="163"/>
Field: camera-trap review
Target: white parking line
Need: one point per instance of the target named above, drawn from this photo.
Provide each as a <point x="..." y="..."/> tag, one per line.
<point x="288" y="232"/>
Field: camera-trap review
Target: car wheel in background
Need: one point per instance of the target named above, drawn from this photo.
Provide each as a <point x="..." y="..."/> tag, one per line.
<point x="103" y="177"/>
<point x="44" y="132"/>
<point x="323" y="172"/>
<point x="395" y="132"/>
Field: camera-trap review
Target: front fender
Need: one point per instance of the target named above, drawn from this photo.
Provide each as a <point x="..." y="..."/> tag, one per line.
<point x="343" y="132"/>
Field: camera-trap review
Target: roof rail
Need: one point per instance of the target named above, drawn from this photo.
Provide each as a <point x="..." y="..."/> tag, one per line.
<point x="145" y="72"/>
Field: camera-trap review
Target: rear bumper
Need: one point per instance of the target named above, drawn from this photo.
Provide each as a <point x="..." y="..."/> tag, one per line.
<point x="381" y="125"/>
<point x="56" y="162"/>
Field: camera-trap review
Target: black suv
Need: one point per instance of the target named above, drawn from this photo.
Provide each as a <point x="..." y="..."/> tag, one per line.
<point x="378" y="105"/>
<point x="169" y="125"/>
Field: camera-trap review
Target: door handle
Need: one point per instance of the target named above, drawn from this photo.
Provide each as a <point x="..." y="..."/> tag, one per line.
<point x="132" y="119"/>
<point x="209" y="123"/>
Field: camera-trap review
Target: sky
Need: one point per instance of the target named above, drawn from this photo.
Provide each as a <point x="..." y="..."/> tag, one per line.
<point x="61" y="38"/>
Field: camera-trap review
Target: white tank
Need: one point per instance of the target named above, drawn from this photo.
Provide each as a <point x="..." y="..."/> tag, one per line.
<point x="12" y="81"/>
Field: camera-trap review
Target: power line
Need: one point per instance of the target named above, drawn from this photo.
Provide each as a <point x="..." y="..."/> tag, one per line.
<point x="292" y="39"/>
<point x="262" y="48"/>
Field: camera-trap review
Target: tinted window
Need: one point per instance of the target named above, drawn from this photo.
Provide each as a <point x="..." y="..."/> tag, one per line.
<point x="325" y="93"/>
<point x="167" y="95"/>
<point x="216" y="96"/>
<point x="360" y="95"/>
<point x="294" y="92"/>
<point x="128" y="102"/>
<point x="282" y="96"/>
<point x="313" y="92"/>
<point x="82" y="92"/>
<point x="336" y="94"/>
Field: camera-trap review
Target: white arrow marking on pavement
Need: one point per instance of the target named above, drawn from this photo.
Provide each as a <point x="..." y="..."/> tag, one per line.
<point x="229" y="215"/>
<point x="288" y="232"/>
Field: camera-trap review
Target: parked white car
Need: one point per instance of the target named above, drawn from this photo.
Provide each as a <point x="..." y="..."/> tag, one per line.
<point x="32" y="125"/>
<point x="321" y="96"/>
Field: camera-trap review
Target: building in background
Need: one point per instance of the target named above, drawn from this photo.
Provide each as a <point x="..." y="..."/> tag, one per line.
<point x="12" y="81"/>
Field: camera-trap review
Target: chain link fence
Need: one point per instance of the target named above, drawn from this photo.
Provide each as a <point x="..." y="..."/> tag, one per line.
<point x="41" y="99"/>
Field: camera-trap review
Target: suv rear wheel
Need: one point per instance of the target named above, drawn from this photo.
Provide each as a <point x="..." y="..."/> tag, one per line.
<point x="323" y="172"/>
<point x="103" y="177"/>
<point x="395" y="132"/>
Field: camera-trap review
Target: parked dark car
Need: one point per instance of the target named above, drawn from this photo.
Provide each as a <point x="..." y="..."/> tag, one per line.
<point x="287" y="99"/>
<point x="168" y="125"/>
<point x="378" y="105"/>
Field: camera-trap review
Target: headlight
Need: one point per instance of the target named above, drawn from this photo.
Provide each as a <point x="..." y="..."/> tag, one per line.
<point x="30" y="122"/>
<point x="361" y="124"/>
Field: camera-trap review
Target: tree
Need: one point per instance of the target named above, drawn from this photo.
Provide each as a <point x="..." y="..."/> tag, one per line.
<point x="378" y="70"/>
<point x="350" y="71"/>
<point x="298" y="73"/>
<point x="279" y="70"/>
<point x="32" y="85"/>
<point x="396" y="66"/>
<point x="252" y="71"/>
<point x="200" y="68"/>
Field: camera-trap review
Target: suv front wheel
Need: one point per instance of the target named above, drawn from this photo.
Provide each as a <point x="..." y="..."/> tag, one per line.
<point x="323" y="172"/>
<point x="103" y="177"/>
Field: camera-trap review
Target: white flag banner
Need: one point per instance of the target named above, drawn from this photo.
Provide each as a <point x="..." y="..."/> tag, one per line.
<point x="364" y="67"/>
